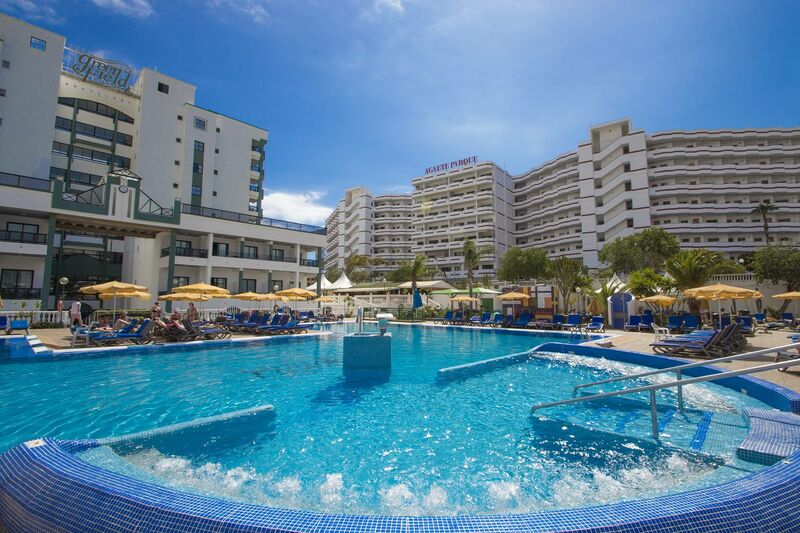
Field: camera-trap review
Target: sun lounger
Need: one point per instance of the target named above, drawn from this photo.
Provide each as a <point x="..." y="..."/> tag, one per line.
<point x="251" y="322"/>
<point x="205" y="333"/>
<point x="507" y="321"/>
<point x="707" y="346"/>
<point x="597" y="324"/>
<point x="15" y="325"/>
<point x="573" y="320"/>
<point x="674" y="323"/>
<point x="633" y="323"/>
<point x="647" y="322"/>
<point x="690" y="323"/>
<point x="277" y="320"/>
<point x="746" y="324"/>
<point x="497" y="320"/>
<point x="3" y="323"/>
<point x="140" y="336"/>
<point x="264" y="321"/>
<point x="523" y="320"/>
<point x="458" y="318"/>
<point x="448" y="316"/>
<point x="479" y="320"/>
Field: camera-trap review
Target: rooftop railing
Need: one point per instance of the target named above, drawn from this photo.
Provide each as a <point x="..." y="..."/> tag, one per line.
<point x="250" y="219"/>
<point x="24" y="182"/>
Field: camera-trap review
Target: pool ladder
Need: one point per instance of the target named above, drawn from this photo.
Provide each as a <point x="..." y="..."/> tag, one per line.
<point x="679" y="382"/>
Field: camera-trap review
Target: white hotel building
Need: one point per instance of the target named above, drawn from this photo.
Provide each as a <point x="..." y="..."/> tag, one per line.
<point x="700" y="185"/>
<point x="107" y="172"/>
<point x="375" y="226"/>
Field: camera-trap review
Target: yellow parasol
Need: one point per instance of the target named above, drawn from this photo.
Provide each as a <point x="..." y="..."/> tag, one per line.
<point x="205" y="289"/>
<point x="269" y="296"/>
<point x="298" y="292"/>
<point x="325" y="299"/>
<point x="514" y="296"/>
<point x="719" y="292"/>
<point x="463" y="298"/>
<point x="183" y="297"/>
<point x="794" y="295"/>
<point x="662" y="300"/>
<point x="140" y="295"/>
<point x="253" y="296"/>
<point x="112" y="289"/>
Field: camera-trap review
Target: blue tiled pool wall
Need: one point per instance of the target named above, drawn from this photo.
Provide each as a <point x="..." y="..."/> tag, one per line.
<point x="46" y="487"/>
<point x="765" y="391"/>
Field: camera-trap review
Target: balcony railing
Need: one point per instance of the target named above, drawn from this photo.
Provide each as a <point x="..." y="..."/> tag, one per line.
<point x="309" y="262"/>
<point x="186" y="252"/>
<point x="20" y="294"/>
<point x="24" y="182"/>
<point x="19" y="236"/>
<point x="114" y="258"/>
<point x="249" y="219"/>
<point x="260" y="257"/>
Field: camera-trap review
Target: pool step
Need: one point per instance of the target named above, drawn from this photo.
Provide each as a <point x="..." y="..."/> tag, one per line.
<point x="701" y="431"/>
<point x="773" y="436"/>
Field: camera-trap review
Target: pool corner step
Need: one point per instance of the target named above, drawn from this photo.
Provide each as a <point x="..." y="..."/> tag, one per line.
<point x="773" y="436"/>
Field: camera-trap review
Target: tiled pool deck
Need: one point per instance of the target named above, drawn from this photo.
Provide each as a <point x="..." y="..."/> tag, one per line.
<point x="44" y="486"/>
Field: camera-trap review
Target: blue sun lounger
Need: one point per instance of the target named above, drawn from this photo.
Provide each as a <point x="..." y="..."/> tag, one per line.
<point x="524" y="320"/>
<point x="633" y="323"/>
<point x="141" y="336"/>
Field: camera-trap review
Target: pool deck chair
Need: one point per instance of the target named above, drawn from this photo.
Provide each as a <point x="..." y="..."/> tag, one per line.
<point x="141" y="336"/>
<point x="633" y="323"/>
<point x="788" y="318"/>
<point x="448" y="316"/>
<point x="674" y="323"/>
<point x="480" y="320"/>
<point x="18" y="325"/>
<point x="597" y="324"/>
<point x="690" y="323"/>
<point x="524" y="320"/>
<point x="647" y="322"/>
<point x="689" y="346"/>
<point x="3" y="323"/>
<point x="497" y="320"/>
<point x="746" y="325"/>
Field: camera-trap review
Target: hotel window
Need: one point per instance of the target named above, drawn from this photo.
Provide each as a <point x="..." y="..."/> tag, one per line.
<point x="2" y="92"/>
<point x="163" y="88"/>
<point x="250" y="252"/>
<point x="217" y="130"/>
<point x="180" y="281"/>
<point x="183" y="244"/>
<point x="253" y="206"/>
<point x="199" y="123"/>
<point x="15" y="283"/>
<point x="220" y="249"/>
<point x="38" y="44"/>
<point x="180" y="117"/>
<point x="199" y="146"/>
<point x="222" y="283"/>
<point x="197" y="168"/>
<point x="249" y="285"/>
<point x="22" y="232"/>
<point x="197" y="191"/>
<point x="6" y="64"/>
<point x="177" y="139"/>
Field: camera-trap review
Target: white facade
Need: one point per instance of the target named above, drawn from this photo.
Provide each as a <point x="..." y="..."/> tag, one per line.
<point x="453" y="206"/>
<point x="701" y="186"/>
<point x="134" y="181"/>
<point x="375" y="226"/>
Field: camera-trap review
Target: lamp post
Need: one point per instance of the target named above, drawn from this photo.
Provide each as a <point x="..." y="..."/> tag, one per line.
<point x="385" y="295"/>
<point x="63" y="281"/>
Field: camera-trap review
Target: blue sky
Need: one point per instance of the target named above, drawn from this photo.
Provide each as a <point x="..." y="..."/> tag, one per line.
<point x="373" y="91"/>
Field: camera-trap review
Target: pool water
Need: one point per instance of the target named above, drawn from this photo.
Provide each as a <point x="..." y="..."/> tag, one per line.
<point x="409" y="444"/>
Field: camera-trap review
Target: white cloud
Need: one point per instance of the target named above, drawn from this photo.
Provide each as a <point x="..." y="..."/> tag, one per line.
<point x="392" y="5"/>
<point x="255" y="10"/>
<point x="33" y="11"/>
<point x="134" y="8"/>
<point x="302" y="207"/>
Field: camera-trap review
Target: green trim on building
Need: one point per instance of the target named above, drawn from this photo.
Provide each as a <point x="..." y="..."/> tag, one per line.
<point x="48" y="262"/>
<point x="173" y="237"/>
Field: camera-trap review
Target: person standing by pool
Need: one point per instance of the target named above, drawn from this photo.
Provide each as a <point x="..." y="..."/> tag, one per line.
<point x="155" y="312"/>
<point x="75" y="313"/>
<point x="191" y="313"/>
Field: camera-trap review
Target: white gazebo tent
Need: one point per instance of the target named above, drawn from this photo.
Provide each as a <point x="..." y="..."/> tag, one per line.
<point x="326" y="285"/>
<point x="342" y="283"/>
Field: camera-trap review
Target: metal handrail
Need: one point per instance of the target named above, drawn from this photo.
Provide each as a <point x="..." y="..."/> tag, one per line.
<point x="680" y="368"/>
<point x="677" y="383"/>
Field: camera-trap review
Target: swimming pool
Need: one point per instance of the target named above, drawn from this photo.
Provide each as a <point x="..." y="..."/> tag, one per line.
<point x="410" y="444"/>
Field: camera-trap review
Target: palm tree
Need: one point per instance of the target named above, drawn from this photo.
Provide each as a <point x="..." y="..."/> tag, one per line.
<point x="472" y="259"/>
<point x="764" y="209"/>
<point x="416" y="269"/>
<point x="693" y="268"/>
